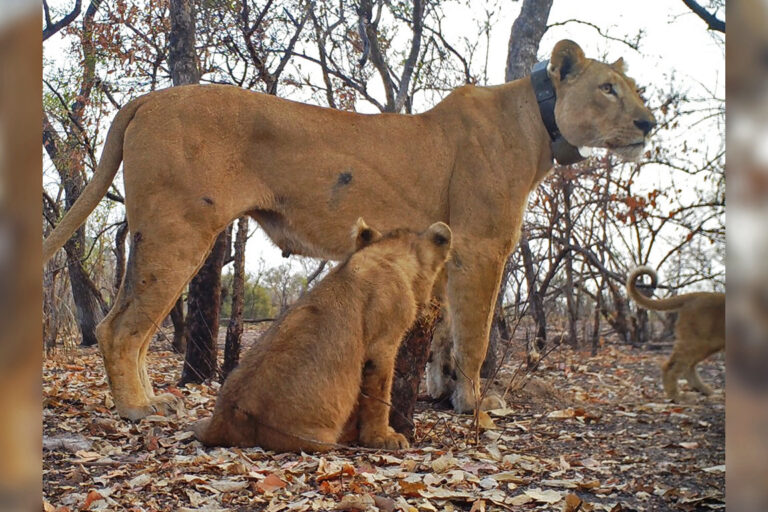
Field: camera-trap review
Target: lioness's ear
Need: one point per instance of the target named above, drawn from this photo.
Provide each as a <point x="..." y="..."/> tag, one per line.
<point x="363" y="234"/>
<point x="567" y="60"/>
<point x="440" y="234"/>
<point x="620" y="66"/>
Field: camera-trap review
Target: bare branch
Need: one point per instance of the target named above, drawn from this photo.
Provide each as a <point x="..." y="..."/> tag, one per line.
<point x="635" y="45"/>
<point x="402" y="92"/>
<point x="712" y="22"/>
<point x="52" y="28"/>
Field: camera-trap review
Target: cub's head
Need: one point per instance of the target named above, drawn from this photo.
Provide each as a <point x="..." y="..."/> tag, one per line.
<point x="419" y="255"/>
<point x="597" y="104"/>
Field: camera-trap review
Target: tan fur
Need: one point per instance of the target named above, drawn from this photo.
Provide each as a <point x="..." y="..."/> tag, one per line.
<point x="699" y="331"/>
<point x="197" y="157"/>
<point x="332" y="355"/>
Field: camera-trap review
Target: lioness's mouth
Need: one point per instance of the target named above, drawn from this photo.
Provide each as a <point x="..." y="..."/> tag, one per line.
<point x="629" y="152"/>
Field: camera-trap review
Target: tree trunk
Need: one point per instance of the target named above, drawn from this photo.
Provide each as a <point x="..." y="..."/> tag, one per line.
<point x="596" y="319"/>
<point x="499" y="327"/>
<point x="535" y="300"/>
<point x="50" y="317"/>
<point x="89" y="305"/>
<point x="524" y="38"/>
<point x="569" y="288"/>
<point x="203" y="316"/>
<point x="179" y="342"/>
<point x="203" y="300"/>
<point x="409" y="369"/>
<point x="181" y="43"/>
<point x="120" y="236"/>
<point x="235" y="327"/>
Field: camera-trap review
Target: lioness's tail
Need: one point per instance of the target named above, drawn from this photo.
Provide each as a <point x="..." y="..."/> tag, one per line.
<point x="111" y="157"/>
<point x="669" y="304"/>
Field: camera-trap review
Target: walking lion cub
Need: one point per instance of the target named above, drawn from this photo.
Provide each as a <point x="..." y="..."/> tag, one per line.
<point x="699" y="330"/>
<point x="328" y="361"/>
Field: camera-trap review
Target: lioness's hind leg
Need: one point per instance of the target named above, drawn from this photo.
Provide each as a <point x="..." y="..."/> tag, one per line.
<point x="694" y="380"/>
<point x="671" y="371"/>
<point x="156" y="273"/>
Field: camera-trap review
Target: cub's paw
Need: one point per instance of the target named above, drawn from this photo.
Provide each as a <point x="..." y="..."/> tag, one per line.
<point x="390" y="440"/>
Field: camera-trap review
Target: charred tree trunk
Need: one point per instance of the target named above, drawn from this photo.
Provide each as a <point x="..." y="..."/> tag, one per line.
<point x="409" y="369"/>
<point x="181" y="43"/>
<point x="90" y="306"/>
<point x="179" y="342"/>
<point x="120" y="236"/>
<point x="235" y="327"/>
<point x="203" y="316"/>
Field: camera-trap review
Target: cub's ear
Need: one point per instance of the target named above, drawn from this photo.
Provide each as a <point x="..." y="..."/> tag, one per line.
<point x="440" y="234"/>
<point x="567" y="60"/>
<point x="363" y="234"/>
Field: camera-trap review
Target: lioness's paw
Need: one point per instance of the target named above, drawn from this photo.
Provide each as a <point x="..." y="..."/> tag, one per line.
<point x="165" y="404"/>
<point x="492" y="401"/>
<point x="463" y="399"/>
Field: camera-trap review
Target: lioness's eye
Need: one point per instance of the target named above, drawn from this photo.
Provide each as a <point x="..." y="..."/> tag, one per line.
<point x="607" y="88"/>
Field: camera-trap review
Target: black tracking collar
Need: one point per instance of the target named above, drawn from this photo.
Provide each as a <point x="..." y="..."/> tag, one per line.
<point x="564" y="152"/>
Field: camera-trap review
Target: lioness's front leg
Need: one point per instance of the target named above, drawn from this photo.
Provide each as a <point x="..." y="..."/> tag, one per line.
<point x="375" y="396"/>
<point x="473" y="283"/>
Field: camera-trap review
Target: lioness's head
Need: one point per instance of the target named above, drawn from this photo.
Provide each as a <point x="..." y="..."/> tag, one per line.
<point x="597" y="104"/>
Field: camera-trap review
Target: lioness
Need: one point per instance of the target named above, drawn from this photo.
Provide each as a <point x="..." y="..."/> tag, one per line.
<point x="297" y="386"/>
<point x="197" y="157"/>
<point x="699" y="330"/>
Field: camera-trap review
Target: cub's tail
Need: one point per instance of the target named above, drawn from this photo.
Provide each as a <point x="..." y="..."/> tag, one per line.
<point x="669" y="304"/>
<point x="111" y="157"/>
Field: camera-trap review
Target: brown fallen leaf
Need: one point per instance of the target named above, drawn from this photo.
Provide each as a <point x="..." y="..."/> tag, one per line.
<point x="346" y="470"/>
<point x="271" y="483"/>
<point x="411" y="489"/>
<point x="478" y="506"/>
<point x="549" y="496"/>
<point x="92" y="496"/>
<point x="562" y="414"/>
<point x="575" y="504"/>
<point x="485" y="422"/>
<point x="385" y="504"/>
<point x="356" y="502"/>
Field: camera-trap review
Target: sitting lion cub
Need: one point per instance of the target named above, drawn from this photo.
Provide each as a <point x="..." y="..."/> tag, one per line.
<point x="699" y="331"/>
<point x="331" y="356"/>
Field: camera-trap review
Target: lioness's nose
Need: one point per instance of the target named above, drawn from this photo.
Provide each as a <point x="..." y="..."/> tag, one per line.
<point x="646" y="125"/>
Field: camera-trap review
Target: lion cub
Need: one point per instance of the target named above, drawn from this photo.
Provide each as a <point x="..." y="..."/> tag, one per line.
<point x="329" y="359"/>
<point x="699" y="331"/>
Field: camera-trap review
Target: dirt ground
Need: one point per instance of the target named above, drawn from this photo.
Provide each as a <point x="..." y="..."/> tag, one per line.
<point x="581" y="433"/>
